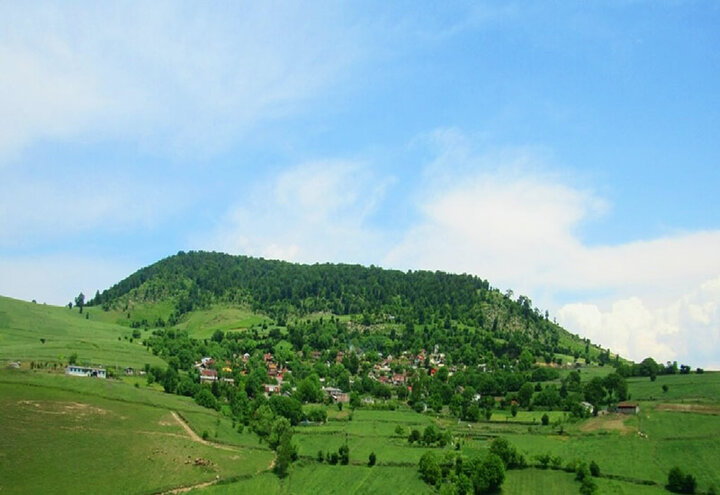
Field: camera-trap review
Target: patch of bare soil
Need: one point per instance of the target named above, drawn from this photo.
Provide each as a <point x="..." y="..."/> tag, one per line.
<point x="77" y="409"/>
<point x="690" y="408"/>
<point x="613" y="422"/>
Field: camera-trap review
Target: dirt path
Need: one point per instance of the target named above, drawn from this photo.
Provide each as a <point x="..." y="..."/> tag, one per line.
<point x="196" y="438"/>
<point x="186" y="489"/>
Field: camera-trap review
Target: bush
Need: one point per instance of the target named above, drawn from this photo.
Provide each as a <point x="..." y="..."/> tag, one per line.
<point x="371" y="459"/>
<point x="429" y="468"/>
<point x="543" y="459"/>
<point x="545" y="419"/>
<point x="588" y="487"/>
<point x="680" y="482"/>
<point x="594" y="469"/>
<point x="344" y="454"/>
<point x="317" y="415"/>
<point x="509" y="455"/>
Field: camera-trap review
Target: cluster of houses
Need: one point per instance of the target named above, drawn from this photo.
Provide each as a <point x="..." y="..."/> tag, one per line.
<point x="209" y="374"/>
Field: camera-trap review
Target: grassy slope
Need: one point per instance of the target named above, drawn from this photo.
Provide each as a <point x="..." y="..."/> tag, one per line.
<point x="58" y="433"/>
<point x="201" y="324"/>
<point x="23" y="324"/>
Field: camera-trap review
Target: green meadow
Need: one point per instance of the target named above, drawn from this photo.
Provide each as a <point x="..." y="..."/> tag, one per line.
<point x="59" y="433"/>
<point x="42" y="333"/>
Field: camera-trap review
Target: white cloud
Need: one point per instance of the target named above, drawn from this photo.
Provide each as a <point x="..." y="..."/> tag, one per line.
<point x="687" y="328"/>
<point x="314" y="212"/>
<point x="190" y="76"/>
<point x="498" y="215"/>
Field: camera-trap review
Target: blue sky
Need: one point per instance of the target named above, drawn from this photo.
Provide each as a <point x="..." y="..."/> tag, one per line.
<point x="567" y="151"/>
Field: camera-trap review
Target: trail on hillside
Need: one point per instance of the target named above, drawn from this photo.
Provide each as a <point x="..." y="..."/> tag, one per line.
<point x="186" y="489"/>
<point x="197" y="438"/>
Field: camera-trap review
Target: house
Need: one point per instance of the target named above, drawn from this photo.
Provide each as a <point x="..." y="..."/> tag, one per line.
<point x="74" y="370"/>
<point x="628" y="407"/>
<point x="208" y="375"/>
<point x="336" y="394"/>
<point x="398" y="379"/>
<point x="271" y="389"/>
<point x="129" y="371"/>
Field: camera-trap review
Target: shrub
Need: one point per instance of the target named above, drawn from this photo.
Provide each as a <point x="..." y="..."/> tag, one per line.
<point x="371" y="459"/>
<point x="679" y="482"/>
<point x="429" y="468"/>
<point x="588" y="486"/>
<point x="545" y="419"/>
<point x="594" y="469"/>
<point x="344" y="454"/>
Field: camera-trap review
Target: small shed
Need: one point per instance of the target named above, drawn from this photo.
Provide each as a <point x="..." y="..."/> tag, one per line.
<point x="628" y="408"/>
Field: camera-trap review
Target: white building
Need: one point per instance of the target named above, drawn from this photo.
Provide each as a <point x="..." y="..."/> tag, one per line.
<point x="74" y="370"/>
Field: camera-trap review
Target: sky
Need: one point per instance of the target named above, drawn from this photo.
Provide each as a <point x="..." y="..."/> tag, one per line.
<point x="567" y="151"/>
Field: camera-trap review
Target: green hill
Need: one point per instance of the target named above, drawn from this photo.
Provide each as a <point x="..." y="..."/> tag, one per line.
<point x="41" y="333"/>
<point x="173" y="291"/>
<point x="445" y="355"/>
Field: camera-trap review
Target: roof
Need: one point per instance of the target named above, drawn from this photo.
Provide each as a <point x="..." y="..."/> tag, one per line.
<point x="208" y="373"/>
<point x="627" y="404"/>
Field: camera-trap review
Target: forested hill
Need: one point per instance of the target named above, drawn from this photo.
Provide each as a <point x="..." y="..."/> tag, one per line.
<point x="282" y="290"/>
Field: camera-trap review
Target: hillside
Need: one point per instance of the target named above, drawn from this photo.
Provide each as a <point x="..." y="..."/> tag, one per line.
<point x="265" y="376"/>
<point x="165" y="293"/>
<point x="47" y="334"/>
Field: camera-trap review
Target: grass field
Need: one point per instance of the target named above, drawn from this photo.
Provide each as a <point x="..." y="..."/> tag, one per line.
<point x="59" y="433"/>
<point x="703" y="388"/>
<point x="23" y="325"/>
<point x="202" y="324"/>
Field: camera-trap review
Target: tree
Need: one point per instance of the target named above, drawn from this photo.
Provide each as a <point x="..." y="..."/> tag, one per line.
<point x="487" y="474"/>
<point x="679" y="482"/>
<point x="205" y="398"/>
<point x="414" y="436"/>
<point x="280" y="426"/>
<point x="545" y="419"/>
<point x="509" y="455"/>
<point x="287" y="406"/>
<point x="513" y="409"/>
<point x="429" y="468"/>
<point x="594" y="469"/>
<point x="286" y="453"/>
<point x="371" y="459"/>
<point x="430" y="435"/>
<point x="525" y="394"/>
<point x="344" y="454"/>
<point x="80" y="301"/>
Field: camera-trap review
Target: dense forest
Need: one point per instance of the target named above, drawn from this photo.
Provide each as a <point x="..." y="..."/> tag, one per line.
<point x="196" y="280"/>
